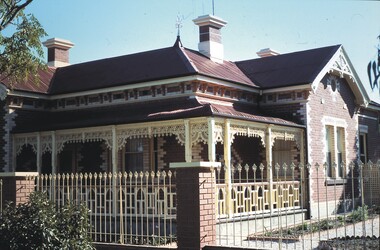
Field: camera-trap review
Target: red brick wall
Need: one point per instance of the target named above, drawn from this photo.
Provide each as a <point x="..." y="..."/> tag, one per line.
<point x="341" y="105"/>
<point x="173" y="151"/>
<point x="56" y="54"/>
<point x="195" y="208"/>
<point x="248" y="150"/>
<point x="17" y="188"/>
<point x="289" y="111"/>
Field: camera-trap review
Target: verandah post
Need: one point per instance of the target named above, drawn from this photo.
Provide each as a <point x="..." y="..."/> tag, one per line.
<point x="269" y="166"/>
<point x="196" y="212"/>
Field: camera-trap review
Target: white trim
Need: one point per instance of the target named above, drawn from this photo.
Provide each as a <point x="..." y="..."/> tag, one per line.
<point x="350" y="75"/>
<point x="18" y="174"/>
<point x="332" y="121"/>
<point x="368" y="117"/>
<point x="202" y="164"/>
<point x="138" y="85"/>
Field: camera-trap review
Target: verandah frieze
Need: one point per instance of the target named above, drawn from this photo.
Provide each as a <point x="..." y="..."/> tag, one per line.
<point x="198" y="129"/>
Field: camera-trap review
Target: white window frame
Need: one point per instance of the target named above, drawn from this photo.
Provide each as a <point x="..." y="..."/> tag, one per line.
<point x="335" y="125"/>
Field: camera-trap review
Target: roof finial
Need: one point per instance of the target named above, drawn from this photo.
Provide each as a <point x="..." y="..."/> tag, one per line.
<point x="178" y="24"/>
<point x="213" y="8"/>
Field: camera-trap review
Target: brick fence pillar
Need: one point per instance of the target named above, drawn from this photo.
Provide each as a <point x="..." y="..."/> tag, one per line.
<point x="16" y="186"/>
<point x="196" y="218"/>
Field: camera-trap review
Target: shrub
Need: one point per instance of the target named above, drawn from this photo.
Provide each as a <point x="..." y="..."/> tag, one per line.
<point x="37" y="224"/>
<point x="360" y="214"/>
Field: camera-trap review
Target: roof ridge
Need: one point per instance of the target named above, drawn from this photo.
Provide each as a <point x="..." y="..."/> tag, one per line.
<point x="192" y="65"/>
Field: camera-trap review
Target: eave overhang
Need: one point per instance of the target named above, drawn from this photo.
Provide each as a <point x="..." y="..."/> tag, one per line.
<point x="340" y="65"/>
<point x="194" y="77"/>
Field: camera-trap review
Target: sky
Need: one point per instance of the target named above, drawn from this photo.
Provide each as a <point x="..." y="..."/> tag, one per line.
<point x="107" y="28"/>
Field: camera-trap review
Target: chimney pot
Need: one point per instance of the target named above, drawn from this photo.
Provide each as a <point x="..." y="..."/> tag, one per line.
<point x="58" y="52"/>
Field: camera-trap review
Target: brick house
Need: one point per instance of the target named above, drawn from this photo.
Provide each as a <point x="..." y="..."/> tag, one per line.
<point x="145" y="110"/>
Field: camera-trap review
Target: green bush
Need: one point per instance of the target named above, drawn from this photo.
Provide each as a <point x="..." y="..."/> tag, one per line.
<point x="37" y="224"/>
<point x="360" y="214"/>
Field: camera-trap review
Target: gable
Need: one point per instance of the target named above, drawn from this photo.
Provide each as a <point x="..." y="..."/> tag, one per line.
<point x="286" y="70"/>
<point x="340" y="65"/>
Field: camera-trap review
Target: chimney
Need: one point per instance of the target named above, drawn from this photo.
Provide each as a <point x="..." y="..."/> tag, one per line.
<point x="210" y="39"/>
<point x="58" y="52"/>
<point x="267" y="52"/>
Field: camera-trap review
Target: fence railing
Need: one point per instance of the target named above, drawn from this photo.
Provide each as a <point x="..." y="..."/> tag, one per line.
<point x="251" y="191"/>
<point x="127" y="208"/>
<point x="1" y="195"/>
<point x="299" y="207"/>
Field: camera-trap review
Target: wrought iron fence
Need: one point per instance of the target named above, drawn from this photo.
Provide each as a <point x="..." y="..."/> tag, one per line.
<point x="299" y="207"/>
<point x="127" y="208"/>
<point x="1" y="195"/>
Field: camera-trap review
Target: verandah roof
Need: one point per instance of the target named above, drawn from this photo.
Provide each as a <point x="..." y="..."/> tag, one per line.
<point x="169" y="109"/>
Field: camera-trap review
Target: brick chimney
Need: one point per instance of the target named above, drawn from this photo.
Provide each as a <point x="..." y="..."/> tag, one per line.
<point x="210" y="39"/>
<point x="267" y="52"/>
<point x="58" y="52"/>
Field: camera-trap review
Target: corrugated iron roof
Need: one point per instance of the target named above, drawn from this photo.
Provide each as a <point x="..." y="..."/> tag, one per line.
<point x="176" y="61"/>
<point x="226" y="71"/>
<point x="290" y="69"/>
<point x="167" y="109"/>
<point x="40" y="86"/>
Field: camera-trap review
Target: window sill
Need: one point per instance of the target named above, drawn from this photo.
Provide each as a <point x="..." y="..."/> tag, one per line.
<point x="331" y="182"/>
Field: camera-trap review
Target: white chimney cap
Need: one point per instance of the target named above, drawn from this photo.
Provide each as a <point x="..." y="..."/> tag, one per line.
<point x="267" y="52"/>
<point x="58" y="43"/>
<point x="214" y="21"/>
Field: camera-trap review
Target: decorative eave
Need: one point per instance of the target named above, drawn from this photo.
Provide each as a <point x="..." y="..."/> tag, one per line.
<point x="341" y="66"/>
<point x="195" y="77"/>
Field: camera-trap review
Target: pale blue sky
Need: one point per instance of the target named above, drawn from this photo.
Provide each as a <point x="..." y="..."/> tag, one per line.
<point x="107" y="28"/>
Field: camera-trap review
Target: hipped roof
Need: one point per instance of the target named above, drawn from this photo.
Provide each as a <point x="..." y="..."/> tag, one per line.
<point x="176" y="61"/>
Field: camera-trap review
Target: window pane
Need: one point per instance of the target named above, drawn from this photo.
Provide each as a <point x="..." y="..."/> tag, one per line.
<point x="361" y="144"/>
<point x="134" y="155"/>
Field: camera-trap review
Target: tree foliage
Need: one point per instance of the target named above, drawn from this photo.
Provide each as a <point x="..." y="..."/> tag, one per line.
<point x="20" y="46"/>
<point x="37" y="224"/>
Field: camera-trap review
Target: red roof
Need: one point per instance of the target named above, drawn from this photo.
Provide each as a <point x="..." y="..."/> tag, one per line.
<point x="177" y="61"/>
<point x="30" y="85"/>
<point x="227" y="70"/>
<point x="158" y="110"/>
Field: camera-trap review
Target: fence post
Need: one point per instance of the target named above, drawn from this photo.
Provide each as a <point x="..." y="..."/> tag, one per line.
<point x="17" y="186"/>
<point x="196" y="212"/>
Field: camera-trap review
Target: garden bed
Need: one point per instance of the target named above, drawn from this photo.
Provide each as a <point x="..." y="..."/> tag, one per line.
<point x="348" y="243"/>
<point x="305" y="230"/>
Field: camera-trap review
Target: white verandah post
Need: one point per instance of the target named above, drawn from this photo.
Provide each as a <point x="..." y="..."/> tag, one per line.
<point x="38" y="153"/>
<point x="227" y="165"/>
<point x="211" y="142"/>
<point x="188" y="146"/>
<point x="114" y="170"/>
<point x="269" y="158"/>
<point x="53" y="153"/>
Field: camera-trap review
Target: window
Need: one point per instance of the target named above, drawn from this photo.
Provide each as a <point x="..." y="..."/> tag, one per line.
<point x="134" y="155"/>
<point x="340" y="150"/>
<point x="335" y="151"/>
<point x="329" y="149"/>
<point x="363" y="147"/>
<point x="154" y="154"/>
<point x="282" y="154"/>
